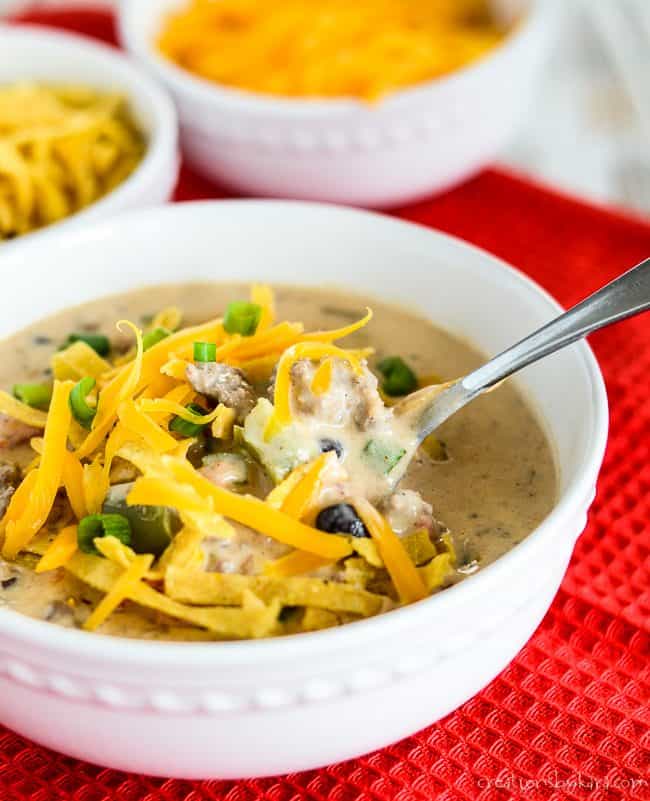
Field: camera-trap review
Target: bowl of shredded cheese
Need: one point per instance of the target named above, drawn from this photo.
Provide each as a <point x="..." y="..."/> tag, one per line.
<point x="371" y="103"/>
<point x="83" y="133"/>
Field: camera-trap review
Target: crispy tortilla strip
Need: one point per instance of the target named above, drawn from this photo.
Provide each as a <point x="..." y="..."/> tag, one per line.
<point x="448" y="542"/>
<point x="254" y="619"/>
<point x="319" y="619"/>
<point x="184" y="550"/>
<point x="193" y="587"/>
<point x="21" y="411"/>
<point x="120" y="554"/>
<point x="358" y="573"/>
<point x="435" y="573"/>
<point x="78" y="361"/>
<point x="367" y="549"/>
<point x="417" y="545"/>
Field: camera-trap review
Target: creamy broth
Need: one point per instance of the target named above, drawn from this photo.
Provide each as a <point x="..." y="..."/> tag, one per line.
<point x="496" y="487"/>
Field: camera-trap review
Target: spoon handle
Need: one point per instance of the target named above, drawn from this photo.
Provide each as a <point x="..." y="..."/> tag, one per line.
<point x="624" y="297"/>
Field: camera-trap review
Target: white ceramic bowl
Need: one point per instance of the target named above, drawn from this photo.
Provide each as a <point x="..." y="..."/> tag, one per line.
<point x="36" y="53"/>
<point x="413" y="143"/>
<point x="257" y="708"/>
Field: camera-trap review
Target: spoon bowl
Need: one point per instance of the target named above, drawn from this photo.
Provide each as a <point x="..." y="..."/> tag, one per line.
<point x="424" y="411"/>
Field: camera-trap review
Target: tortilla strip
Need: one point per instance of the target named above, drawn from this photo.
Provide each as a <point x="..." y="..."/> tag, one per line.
<point x="435" y="573"/>
<point x="254" y="619"/>
<point x="194" y="587"/>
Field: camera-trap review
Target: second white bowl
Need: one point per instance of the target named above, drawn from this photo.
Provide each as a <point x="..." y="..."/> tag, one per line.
<point x="412" y="143"/>
<point x="33" y="53"/>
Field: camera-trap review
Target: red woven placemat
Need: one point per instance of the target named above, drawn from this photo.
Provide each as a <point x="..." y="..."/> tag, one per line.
<point x="569" y="718"/>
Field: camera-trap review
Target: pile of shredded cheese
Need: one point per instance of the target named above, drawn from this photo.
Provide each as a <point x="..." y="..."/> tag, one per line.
<point x="61" y="149"/>
<point x="136" y="398"/>
<point x="333" y="48"/>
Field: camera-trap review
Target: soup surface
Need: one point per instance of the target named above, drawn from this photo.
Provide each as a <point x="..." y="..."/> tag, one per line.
<point x="479" y="489"/>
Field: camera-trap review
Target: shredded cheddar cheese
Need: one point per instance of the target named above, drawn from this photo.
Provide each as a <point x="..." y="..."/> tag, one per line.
<point x="62" y="549"/>
<point x="322" y="379"/>
<point x="120" y="591"/>
<point x="304" y="494"/>
<point x="122" y="387"/>
<point x="282" y="393"/>
<point x="21" y="529"/>
<point x="169" y="318"/>
<point x="176" y="513"/>
<point x="263" y="296"/>
<point x="403" y="572"/>
<point x="332" y="48"/>
<point x="73" y="481"/>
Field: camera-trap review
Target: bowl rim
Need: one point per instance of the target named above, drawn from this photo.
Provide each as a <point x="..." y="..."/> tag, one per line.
<point x="574" y="498"/>
<point x="162" y="139"/>
<point x="201" y="90"/>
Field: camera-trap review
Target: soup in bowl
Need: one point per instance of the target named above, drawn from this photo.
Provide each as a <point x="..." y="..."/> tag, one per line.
<point x="221" y="466"/>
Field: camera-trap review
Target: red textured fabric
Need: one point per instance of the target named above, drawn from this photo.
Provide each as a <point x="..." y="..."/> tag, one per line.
<point x="569" y="718"/>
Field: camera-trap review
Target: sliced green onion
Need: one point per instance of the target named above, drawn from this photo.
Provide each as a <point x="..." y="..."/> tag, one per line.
<point x="242" y="318"/>
<point x="399" y="379"/>
<point x="152" y="527"/>
<point x="152" y="338"/>
<point x="205" y="352"/>
<point x="104" y="525"/>
<point x="36" y="395"/>
<point x="185" y="427"/>
<point x="82" y="412"/>
<point x="98" y="342"/>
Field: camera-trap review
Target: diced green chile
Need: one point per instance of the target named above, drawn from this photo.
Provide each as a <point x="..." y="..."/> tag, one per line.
<point x="38" y="396"/>
<point x="383" y="455"/>
<point x="242" y="318"/>
<point x="152" y="527"/>
<point x="82" y="412"/>
<point x="98" y="342"/>
<point x="399" y="379"/>
<point x="109" y="524"/>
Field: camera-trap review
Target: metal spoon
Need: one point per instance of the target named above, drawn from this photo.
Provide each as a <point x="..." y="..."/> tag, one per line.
<point x="425" y="410"/>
